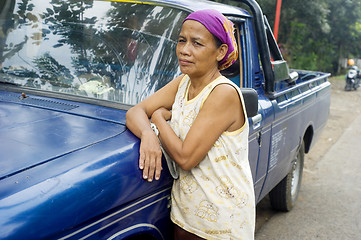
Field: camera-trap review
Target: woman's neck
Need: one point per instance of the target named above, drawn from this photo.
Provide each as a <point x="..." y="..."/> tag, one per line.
<point x="198" y="83"/>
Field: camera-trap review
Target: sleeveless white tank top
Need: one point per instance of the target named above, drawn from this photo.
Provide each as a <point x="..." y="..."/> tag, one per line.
<point x="215" y="199"/>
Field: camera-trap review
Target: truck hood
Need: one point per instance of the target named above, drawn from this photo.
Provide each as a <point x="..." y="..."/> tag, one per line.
<point x="73" y="160"/>
<point x="31" y="135"/>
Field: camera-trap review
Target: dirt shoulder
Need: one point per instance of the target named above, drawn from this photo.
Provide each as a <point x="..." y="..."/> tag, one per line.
<point x="345" y="107"/>
<point x="328" y="205"/>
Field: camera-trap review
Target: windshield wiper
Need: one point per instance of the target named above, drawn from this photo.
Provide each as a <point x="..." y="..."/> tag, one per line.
<point x="9" y="83"/>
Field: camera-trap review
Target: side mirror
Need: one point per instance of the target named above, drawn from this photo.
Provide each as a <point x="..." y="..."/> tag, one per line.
<point x="250" y="97"/>
<point x="282" y="72"/>
<point x="280" y="69"/>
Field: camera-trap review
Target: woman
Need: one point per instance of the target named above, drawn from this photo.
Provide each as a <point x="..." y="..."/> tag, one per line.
<point x="207" y="137"/>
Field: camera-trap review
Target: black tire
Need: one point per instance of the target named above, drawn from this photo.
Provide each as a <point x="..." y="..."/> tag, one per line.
<point x="283" y="197"/>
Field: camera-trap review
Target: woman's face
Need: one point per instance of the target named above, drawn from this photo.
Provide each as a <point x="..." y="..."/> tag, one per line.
<point x="196" y="50"/>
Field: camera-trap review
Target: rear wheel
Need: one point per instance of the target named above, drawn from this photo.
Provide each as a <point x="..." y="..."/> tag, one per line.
<point x="283" y="197"/>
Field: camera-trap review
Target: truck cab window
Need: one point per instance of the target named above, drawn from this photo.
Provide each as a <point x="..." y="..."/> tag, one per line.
<point x="235" y="71"/>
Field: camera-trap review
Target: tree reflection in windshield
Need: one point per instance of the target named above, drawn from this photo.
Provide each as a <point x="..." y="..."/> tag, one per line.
<point x="114" y="51"/>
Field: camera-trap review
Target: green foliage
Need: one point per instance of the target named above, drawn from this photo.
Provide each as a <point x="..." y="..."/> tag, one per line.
<point x="316" y="33"/>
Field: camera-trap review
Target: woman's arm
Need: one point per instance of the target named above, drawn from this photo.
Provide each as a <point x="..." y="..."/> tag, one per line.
<point x="137" y="120"/>
<point x="222" y="111"/>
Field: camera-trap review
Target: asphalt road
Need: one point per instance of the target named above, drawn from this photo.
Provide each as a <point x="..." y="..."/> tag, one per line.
<point x="329" y="203"/>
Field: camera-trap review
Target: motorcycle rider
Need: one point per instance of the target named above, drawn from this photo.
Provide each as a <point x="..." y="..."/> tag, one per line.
<point x="353" y="76"/>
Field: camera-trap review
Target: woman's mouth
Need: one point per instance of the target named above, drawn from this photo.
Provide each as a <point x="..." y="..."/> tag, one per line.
<point x="184" y="62"/>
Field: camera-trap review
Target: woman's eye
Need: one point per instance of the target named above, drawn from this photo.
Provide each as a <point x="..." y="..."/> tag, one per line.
<point x="181" y="40"/>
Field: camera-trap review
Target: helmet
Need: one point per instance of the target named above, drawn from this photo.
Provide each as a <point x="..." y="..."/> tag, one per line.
<point x="350" y="62"/>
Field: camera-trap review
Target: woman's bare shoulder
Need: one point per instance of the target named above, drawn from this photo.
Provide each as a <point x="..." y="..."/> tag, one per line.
<point x="225" y="92"/>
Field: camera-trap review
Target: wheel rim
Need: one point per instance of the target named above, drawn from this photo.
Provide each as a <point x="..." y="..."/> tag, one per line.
<point x="295" y="177"/>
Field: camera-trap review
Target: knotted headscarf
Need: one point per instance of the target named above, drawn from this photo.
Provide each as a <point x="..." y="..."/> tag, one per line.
<point x="222" y="28"/>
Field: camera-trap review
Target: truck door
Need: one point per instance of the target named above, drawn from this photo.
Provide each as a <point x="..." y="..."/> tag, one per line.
<point x="286" y="136"/>
<point x="259" y="142"/>
<point x="250" y="76"/>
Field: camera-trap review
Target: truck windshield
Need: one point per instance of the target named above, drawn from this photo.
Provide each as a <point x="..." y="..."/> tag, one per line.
<point x="114" y="51"/>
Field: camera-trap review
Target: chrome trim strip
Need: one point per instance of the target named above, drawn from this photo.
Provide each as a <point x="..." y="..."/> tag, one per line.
<point x="121" y="218"/>
<point x="117" y="212"/>
<point x="134" y="227"/>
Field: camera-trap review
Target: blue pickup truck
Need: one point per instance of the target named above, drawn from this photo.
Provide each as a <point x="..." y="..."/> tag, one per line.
<point x="69" y="71"/>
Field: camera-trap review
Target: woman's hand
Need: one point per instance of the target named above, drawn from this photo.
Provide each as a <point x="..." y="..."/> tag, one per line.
<point x="150" y="156"/>
<point x="137" y="120"/>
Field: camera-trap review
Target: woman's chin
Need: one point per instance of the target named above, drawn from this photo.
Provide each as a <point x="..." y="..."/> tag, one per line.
<point x="185" y="70"/>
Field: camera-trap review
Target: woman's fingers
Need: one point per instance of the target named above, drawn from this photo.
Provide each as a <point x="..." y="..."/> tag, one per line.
<point x="141" y="159"/>
<point x="158" y="167"/>
<point x="151" y="169"/>
<point x="145" y="166"/>
<point x="150" y="161"/>
<point x="154" y="166"/>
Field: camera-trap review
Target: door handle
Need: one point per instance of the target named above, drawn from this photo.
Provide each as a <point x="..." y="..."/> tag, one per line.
<point x="256" y="120"/>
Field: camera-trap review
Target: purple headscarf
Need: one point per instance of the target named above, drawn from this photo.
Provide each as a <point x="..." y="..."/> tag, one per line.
<point x="217" y="24"/>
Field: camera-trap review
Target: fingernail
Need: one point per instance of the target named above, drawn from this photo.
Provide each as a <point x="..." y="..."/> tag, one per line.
<point x="145" y="176"/>
<point x="156" y="178"/>
<point x="149" y="180"/>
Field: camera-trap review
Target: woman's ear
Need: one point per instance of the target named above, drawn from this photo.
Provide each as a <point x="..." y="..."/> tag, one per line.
<point x="222" y="51"/>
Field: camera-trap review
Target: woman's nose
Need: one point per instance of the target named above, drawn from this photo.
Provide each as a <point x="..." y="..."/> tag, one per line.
<point x="184" y="48"/>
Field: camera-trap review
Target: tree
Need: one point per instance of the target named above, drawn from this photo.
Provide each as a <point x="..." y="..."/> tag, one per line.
<point x="303" y="28"/>
<point x="316" y="33"/>
<point x="345" y="34"/>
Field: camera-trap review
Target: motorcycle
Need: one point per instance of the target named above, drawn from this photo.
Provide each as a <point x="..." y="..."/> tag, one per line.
<point x="353" y="78"/>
